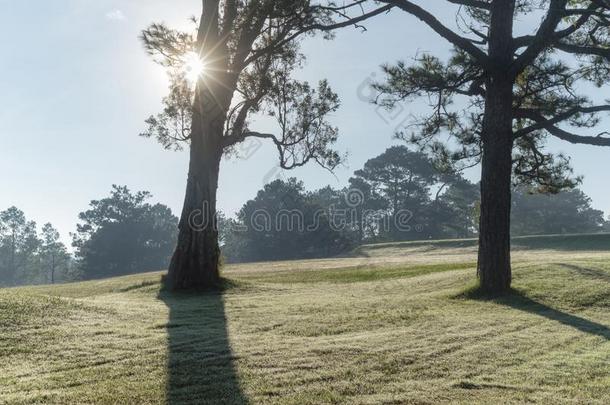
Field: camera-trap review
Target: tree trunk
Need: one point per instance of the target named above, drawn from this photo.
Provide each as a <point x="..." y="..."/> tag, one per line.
<point x="195" y="263"/>
<point x="494" y="268"/>
<point x="360" y="216"/>
<point x="12" y="272"/>
<point x="53" y="269"/>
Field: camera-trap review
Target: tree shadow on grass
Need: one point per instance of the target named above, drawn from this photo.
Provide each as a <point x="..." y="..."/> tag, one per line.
<point x="200" y="364"/>
<point x="518" y="300"/>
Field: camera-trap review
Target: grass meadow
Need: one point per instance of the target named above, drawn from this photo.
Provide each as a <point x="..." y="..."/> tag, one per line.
<point x="397" y="323"/>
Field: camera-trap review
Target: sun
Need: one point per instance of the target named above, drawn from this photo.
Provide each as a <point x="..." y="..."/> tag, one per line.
<point x="193" y="66"/>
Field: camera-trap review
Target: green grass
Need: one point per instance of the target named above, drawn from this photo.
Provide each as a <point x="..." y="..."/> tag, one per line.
<point x="357" y="274"/>
<point x="397" y="324"/>
<point x="568" y="242"/>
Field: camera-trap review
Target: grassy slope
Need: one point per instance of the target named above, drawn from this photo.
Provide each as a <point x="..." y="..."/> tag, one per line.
<point x="389" y="326"/>
<point x="572" y="242"/>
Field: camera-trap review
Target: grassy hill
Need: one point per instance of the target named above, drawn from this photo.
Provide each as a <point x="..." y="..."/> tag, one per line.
<point x="392" y="324"/>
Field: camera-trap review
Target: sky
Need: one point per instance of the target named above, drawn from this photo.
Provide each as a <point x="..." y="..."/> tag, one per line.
<point x="77" y="86"/>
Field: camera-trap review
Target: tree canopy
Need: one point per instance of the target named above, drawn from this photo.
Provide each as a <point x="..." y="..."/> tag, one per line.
<point x="284" y="221"/>
<point x="246" y="52"/>
<point x="569" y="51"/>
<point x="501" y="95"/>
<point x="123" y="234"/>
<point x="28" y="256"/>
<point x="563" y="213"/>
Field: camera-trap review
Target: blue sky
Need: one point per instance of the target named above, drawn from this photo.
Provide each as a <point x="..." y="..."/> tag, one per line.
<point x="77" y="87"/>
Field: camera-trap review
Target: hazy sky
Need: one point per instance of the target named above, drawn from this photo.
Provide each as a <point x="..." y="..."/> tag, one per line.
<point x="76" y="88"/>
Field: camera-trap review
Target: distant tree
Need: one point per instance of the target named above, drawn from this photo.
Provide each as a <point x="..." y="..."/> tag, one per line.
<point x="565" y="212"/>
<point x="334" y="232"/>
<point x="246" y="51"/>
<point x="402" y="176"/>
<point x="122" y="234"/>
<point x="230" y="236"/>
<point x="326" y="197"/>
<point x="19" y="244"/>
<point x="403" y="179"/>
<point x="267" y="236"/>
<point x="514" y="92"/>
<point x="454" y="211"/>
<point x="55" y="259"/>
<point x="369" y="208"/>
<point x="27" y="257"/>
<point x="285" y="222"/>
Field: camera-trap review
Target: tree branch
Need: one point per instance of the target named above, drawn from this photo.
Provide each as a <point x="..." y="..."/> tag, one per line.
<point x="550" y="125"/>
<point x="472" y="3"/>
<point x="457" y="40"/>
<point x="317" y="27"/>
<point x="583" y="50"/>
<point x="542" y="122"/>
<point x="579" y="139"/>
<point x="543" y="38"/>
<point x="528" y="39"/>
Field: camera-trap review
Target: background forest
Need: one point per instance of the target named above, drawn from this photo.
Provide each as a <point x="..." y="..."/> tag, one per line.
<point x="124" y="233"/>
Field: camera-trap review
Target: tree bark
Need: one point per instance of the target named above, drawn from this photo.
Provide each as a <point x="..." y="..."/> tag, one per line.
<point x="494" y="267"/>
<point x="195" y="262"/>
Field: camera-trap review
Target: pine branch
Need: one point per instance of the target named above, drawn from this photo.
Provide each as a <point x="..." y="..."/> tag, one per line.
<point x="550" y="125"/>
<point x="457" y="40"/>
<point x="543" y="38"/>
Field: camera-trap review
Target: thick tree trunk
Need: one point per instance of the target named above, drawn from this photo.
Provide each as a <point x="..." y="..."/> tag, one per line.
<point x="494" y="268"/>
<point x="195" y="263"/>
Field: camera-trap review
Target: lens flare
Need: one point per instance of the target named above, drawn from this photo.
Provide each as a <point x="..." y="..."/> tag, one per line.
<point x="194" y="66"/>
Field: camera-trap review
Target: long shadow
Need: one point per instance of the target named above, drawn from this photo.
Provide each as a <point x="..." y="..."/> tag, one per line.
<point x="518" y="300"/>
<point x="200" y="365"/>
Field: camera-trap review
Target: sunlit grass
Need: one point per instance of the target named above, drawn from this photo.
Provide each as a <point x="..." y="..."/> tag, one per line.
<point x="400" y="326"/>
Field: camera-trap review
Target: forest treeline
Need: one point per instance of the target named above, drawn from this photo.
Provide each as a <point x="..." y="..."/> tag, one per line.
<point x="399" y="195"/>
<point x="116" y="235"/>
<point x="396" y="196"/>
